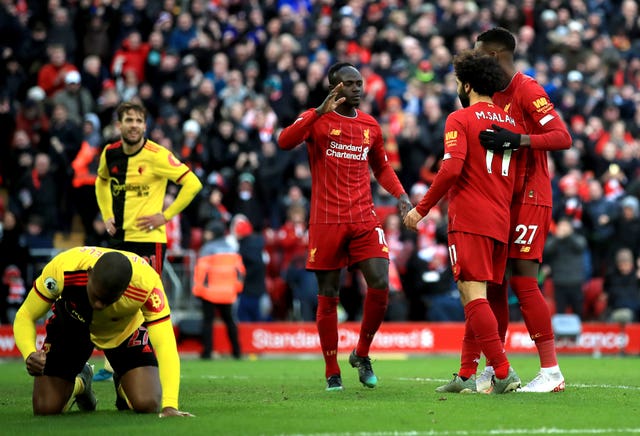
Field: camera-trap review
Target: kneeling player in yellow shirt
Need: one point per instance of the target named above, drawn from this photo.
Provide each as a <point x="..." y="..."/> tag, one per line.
<point x="103" y="298"/>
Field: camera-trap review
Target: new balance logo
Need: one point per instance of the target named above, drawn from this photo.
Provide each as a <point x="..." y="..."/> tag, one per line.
<point x="541" y="102"/>
<point x="335" y="132"/>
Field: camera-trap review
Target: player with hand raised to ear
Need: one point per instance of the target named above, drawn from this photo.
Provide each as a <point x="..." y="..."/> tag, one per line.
<point x="343" y="143"/>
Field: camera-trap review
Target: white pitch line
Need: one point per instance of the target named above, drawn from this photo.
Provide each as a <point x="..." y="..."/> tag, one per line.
<point x="513" y="431"/>
<point x="573" y="385"/>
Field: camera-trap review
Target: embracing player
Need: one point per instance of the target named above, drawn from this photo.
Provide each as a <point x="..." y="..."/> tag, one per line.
<point x="527" y="102"/>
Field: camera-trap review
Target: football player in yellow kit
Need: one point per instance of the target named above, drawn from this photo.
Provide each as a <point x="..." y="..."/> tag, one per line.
<point x="103" y="298"/>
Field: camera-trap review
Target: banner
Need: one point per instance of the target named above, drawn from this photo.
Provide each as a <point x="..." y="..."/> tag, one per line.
<point x="430" y="338"/>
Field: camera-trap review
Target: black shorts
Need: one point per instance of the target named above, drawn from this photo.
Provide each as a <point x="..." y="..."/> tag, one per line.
<point x="152" y="252"/>
<point x="133" y="352"/>
<point x="68" y="349"/>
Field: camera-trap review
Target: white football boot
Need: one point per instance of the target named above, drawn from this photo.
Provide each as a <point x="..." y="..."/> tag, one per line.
<point x="545" y="382"/>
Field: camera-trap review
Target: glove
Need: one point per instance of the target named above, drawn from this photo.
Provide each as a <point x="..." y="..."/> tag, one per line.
<point x="499" y="139"/>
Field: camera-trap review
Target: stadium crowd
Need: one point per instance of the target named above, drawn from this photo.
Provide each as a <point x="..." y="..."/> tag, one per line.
<point x="220" y="79"/>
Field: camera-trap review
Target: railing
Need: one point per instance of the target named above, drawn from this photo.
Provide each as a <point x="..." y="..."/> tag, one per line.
<point x="177" y="277"/>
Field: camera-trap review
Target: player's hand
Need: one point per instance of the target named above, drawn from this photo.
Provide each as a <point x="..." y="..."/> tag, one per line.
<point x="170" y="411"/>
<point x="110" y="226"/>
<point x="149" y="223"/>
<point x="35" y="363"/>
<point x="412" y="219"/>
<point x="499" y="139"/>
<point x="331" y="102"/>
<point x="404" y="204"/>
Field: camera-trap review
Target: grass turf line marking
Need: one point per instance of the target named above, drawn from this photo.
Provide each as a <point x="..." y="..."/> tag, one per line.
<point x="576" y="385"/>
<point x="513" y="431"/>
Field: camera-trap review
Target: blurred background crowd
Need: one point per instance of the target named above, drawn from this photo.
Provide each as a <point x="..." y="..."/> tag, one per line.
<point x="220" y="78"/>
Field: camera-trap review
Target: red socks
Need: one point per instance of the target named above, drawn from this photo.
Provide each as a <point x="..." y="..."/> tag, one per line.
<point x="470" y="354"/>
<point x="327" y="323"/>
<point x="483" y="323"/>
<point x="374" y="309"/>
<point x="536" y="317"/>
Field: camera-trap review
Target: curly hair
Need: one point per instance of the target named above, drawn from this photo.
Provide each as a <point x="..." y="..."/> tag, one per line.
<point x="481" y="71"/>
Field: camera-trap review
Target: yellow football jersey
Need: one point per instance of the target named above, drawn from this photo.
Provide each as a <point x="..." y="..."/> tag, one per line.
<point x="138" y="183"/>
<point x="143" y="301"/>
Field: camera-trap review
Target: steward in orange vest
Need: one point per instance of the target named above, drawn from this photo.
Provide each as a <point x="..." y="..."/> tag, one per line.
<point x="218" y="278"/>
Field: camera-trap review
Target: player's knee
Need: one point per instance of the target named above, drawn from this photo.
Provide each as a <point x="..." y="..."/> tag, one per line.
<point x="329" y="292"/>
<point x="148" y="404"/>
<point x="378" y="282"/>
<point x="43" y="407"/>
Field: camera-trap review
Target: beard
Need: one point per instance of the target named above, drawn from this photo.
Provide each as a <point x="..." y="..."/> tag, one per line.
<point x="131" y="138"/>
<point x="464" y="99"/>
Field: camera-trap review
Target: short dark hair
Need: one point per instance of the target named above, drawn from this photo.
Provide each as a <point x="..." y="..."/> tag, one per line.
<point x="113" y="271"/>
<point x="333" y="71"/>
<point x="217" y="227"/>
<point x="127" y="106"/>
<point x="498" y="36"/>
<point x="479" y="70"/>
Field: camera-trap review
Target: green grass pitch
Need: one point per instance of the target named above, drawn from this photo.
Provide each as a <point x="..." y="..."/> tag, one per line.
<point x="287" y="397"/>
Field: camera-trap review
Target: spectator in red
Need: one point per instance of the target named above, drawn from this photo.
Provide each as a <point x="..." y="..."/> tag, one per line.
<point x="617" y="134"/>
<point x="293" y="239"/>
<point x="51" y="75"/>
<point x="569" y="204"/>
<point x="131" y="55"/>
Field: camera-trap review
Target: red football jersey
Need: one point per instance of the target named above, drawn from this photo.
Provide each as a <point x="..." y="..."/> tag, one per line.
<point x="529" y="105"/>
<point x="340" y="151"/>
<point x="480" y="199"/>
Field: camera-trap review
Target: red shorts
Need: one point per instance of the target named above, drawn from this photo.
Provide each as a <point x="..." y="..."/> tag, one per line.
<point x="334" y="246"/>
<point x="529" y="230"/>
<point x="477" y="258"/>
